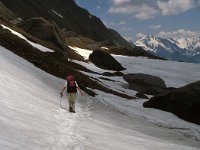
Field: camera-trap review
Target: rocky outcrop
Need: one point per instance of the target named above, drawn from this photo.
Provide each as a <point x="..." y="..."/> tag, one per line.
<point x="105" y="61"/>
<point x="44" y="30"/>
<point x="145" y="83"/>
<point x="183" y="102"/>
<point x="113" y="74"/>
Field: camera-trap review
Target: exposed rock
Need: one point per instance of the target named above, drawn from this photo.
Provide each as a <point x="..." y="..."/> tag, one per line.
<point x="141" y="95"/>
<point x="113" y="74"/>
<point x="105" y="61"/>
<point x="145" y="83"/>
<point x="92" y="46"/>
<point x="183" y="102"/>
<point x="17" y="21"/>
<point x="44" y="30"/>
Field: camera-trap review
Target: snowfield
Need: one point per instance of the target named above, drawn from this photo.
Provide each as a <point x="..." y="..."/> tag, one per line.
<point x="31" y="118"/>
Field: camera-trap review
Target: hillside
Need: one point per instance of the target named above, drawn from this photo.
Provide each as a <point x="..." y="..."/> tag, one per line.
<point x="57" y="25"/>
<point x="67" y="15"/>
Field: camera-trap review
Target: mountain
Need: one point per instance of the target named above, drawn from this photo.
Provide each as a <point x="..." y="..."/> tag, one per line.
<point x="178" y="49"/>
<point x="67" y="15"/>
<point x="112" y="117"/>
<point x="52" y="24"/>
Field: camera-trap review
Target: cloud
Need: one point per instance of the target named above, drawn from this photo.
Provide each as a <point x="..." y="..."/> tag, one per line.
<point x="122" y="22"/>
<point x="98" y="7"/>
<point x="140" y="35"/>
<point x="145" y="12"/>
<point x="181" y="33"/>
<point x="119" y="2"/>
<point x="176" y="6"/>
<point x="125" y="29"/>
<point x="155" y="26"/>
<point x="112" y="24"/>
<point x="142" y="12"/>
<point x="147" y="9"/>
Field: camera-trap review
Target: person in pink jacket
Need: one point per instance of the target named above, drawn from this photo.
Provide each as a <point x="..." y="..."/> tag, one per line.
<point x="71" y="86"/>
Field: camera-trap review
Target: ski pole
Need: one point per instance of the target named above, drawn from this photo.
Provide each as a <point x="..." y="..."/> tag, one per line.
<point x="60" y="102"/>
<point x="61" y="105"/>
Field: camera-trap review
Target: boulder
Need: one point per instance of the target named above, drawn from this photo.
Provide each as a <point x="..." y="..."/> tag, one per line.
<point x="105" y="61"/>
<point x="183" y="102"/>
<point x="145" y="83"/>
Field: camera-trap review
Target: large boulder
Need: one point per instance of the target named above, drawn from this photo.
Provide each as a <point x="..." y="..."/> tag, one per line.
<point x="145" y="83"/>
<point x="105" y="61"/>
<point x="183" y="102"/>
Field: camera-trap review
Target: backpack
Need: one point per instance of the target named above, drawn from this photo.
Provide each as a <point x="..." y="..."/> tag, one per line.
<point x="71" y="85"/>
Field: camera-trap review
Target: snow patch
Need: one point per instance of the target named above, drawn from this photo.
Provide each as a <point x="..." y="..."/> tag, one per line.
<point x="105" y="48"/>
<point x="38" y="46"/>
<point x="59" y="15"/>
<point x="83" y="52"/>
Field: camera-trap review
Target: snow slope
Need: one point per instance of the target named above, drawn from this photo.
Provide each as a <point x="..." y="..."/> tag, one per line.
<point x="175" y="74"/>
<point x="30" y="117"/>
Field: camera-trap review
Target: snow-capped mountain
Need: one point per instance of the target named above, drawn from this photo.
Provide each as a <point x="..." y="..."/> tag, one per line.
<point x="179" y="49"/>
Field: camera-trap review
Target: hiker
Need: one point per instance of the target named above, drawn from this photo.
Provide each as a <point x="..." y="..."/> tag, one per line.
<point x="71" y="92"/>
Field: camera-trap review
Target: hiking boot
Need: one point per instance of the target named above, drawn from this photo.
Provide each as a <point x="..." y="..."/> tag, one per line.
<point x="70" y="109"/>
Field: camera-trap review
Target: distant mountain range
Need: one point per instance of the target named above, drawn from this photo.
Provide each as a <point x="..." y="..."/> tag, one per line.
<point x="178" y="49"/>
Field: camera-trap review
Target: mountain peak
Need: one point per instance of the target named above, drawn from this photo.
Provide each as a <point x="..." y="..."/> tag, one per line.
<point x="179" y="49"/>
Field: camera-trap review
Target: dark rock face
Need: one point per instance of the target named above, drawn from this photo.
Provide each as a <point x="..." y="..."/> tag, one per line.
<point x="5" y="12"/>
<point x="183" y="102"/>
<point x="113" y="74"/>
<point x="105" y="61"/>
<point x="145" y="83"/>
<point x="44" y="30"/>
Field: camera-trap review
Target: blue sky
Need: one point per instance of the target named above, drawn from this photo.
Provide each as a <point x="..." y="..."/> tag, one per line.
<point x="134" y="18"/>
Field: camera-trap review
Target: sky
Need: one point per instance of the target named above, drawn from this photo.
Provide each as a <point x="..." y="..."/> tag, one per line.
<point x="135" y="18"/>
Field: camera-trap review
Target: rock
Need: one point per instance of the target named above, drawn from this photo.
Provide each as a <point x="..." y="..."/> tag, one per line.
<point x="145" y="83"/>
<point x="105" y="61"/>
<point x="44" y="30"/>
<point x="183" y="102"/>
<point x="141" y="95"/>
<point x="113" y="74"/>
